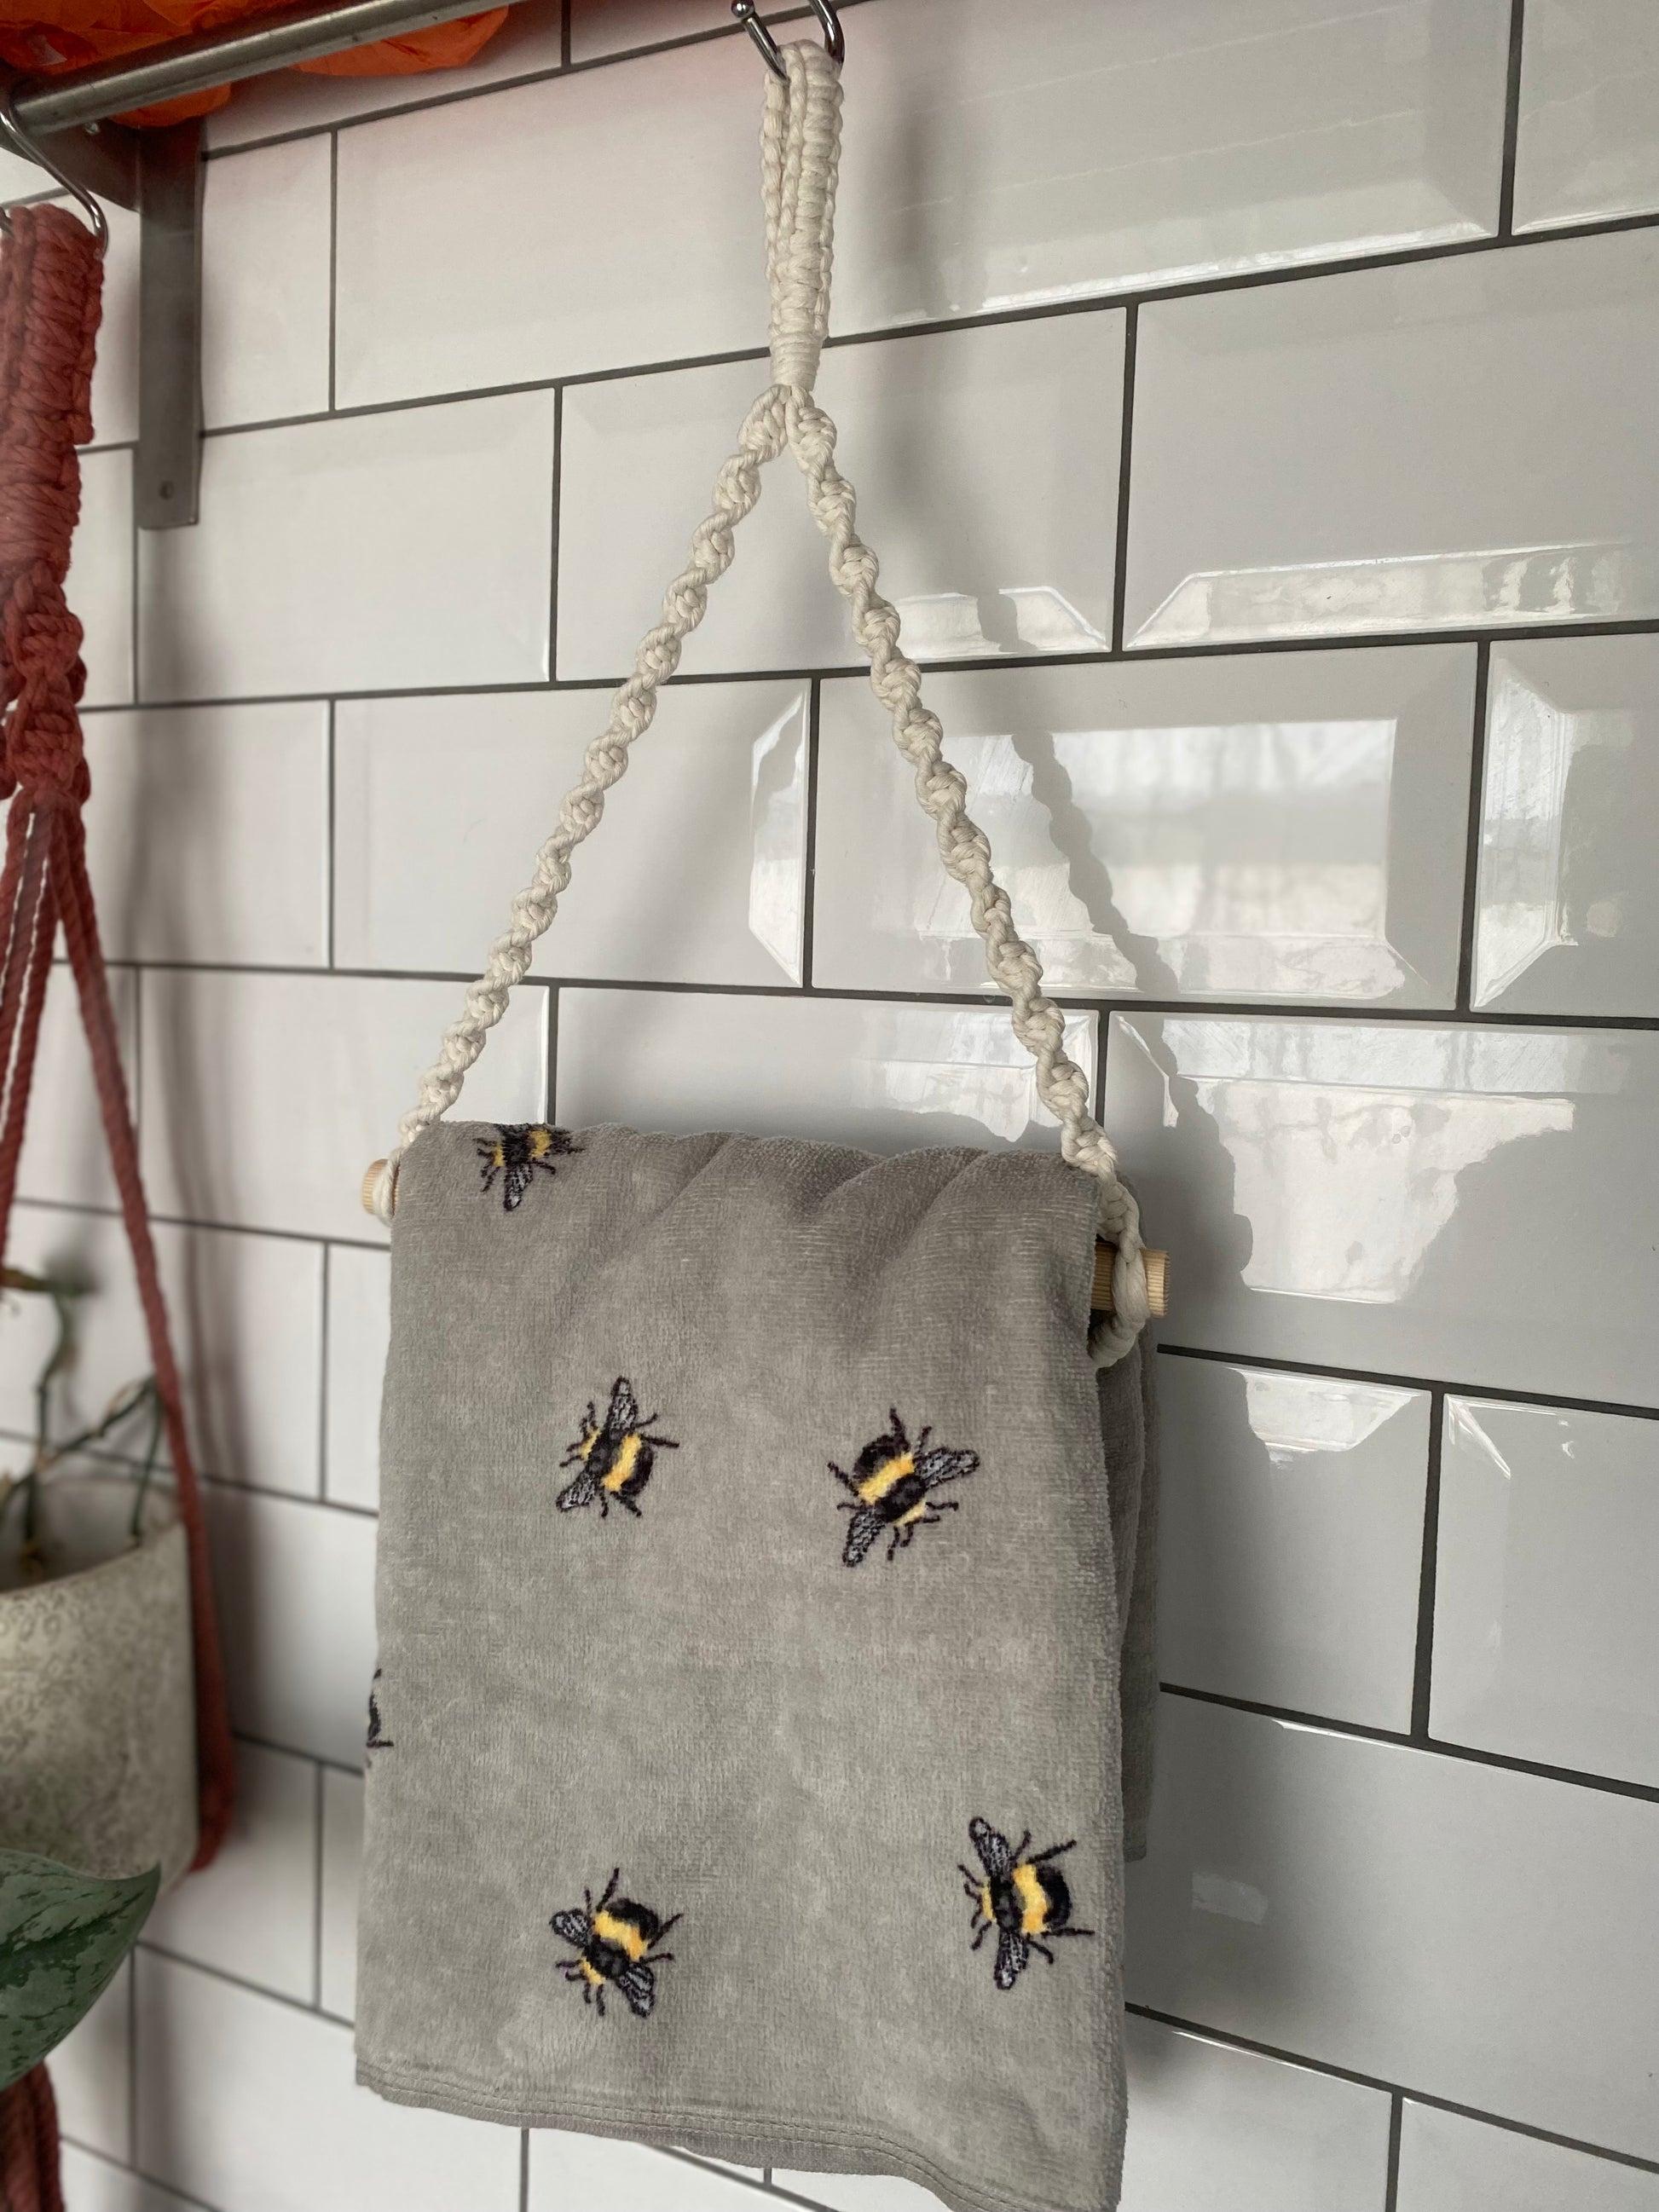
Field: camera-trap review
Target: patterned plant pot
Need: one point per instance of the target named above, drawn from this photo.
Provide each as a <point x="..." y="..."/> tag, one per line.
<point x="97" y="1711"/>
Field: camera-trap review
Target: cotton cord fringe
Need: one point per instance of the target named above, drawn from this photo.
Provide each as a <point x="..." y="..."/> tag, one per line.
<point x="800" y="153"/>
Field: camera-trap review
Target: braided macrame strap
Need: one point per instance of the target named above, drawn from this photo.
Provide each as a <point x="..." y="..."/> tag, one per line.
<point x="800" y="145"/>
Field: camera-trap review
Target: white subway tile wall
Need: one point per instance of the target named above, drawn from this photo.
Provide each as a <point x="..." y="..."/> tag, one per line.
<point x="1281" y="507"/>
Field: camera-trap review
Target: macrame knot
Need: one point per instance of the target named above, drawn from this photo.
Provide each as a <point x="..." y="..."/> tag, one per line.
<point x="800" y="149"/>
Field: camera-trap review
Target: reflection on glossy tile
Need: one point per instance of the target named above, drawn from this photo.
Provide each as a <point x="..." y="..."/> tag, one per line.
<point x="238" y="1130"/>
<point x="996" y="156"/>
<point x="242" y="2100"/>
<point x="1545" y="1638"/>
<point x="253" y="1913"/>
<point x="301" y="99"/>
<point x="1589" y="139"/>
<point x="594" y="169"/>
<point x="98" y="585"/>
<point x="1448" y="2163"/>
<point x="343" y="1853"/>
<point x="1290" y="1538"/>
<point x="884" y="1077"/>
<point x="1386" y="1196"/>
<point x="246" y="1319"/>
<point x="207" y="834"/>
<point x="358" y="553"/>
<point x="1214" y="2130"/>
<point x="265" y="273"/>
<point x="986" y="461"/>
<point x="569" y="2170"/>
<point x="295" y="1584"/>
<point x="65" y="1154"/>
<point x="1568" y="917"/>
<point x="359" y="1332"/>
<point x="696" y="875"/>
<point x="1478" y="1935"/>
<point x="115" y="372"/>
<point x="1269" y="496"/>
<point x="1264" y="826"/>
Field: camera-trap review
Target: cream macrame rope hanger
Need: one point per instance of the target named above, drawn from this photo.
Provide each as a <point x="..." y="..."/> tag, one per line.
<point x="800" y="148"/>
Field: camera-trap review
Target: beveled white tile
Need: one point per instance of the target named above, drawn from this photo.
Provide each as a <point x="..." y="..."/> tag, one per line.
<point x="696" y="875"/>
<point x="207" y="834"/>
<point x="887" y="1078"/>
<point x="590" y="173"/>
<point x="115" y="369"/>
<point x="90" y="1253"/>
<point x="246" y="1319"/>
<point x="615" y="27"/>
<point x="857" y="2192"/>
<point x="266" y="1096"/>
<point x="296" y="99"/>
<point x="253" y="1912"/>
<point x="65" y="1156"/>
<point x="92" y="2071"/>
<point x="1215" y="2129"/>
<point x="1449" y="2163"/>
<point x="22" y="179"/>
<point x="1290" y="1538"/>
<point x="1378" y="1195"/>
<point x="98" y="585"/>
<point x="569" y="2170"/>
<point x="1338" y="456"/>
<point x="265" y="283"/>
<point x="91" y="2183"/>
<point x="997" y="157"/>
<point x="296" y="1585"/>
<point x="1546" y="1639"/>
<point x="1470" y="1932"/>
<point x="1262" y="826"/>
<point x="1568" y="913"/>
<point x="243" y="2101"/>
<point x="986" y="463"/>
<point x="359" y="1333"/>
<point x="342" y="1855"/>
<point x="1587" y="142"/>
<point x="359" y="553"/>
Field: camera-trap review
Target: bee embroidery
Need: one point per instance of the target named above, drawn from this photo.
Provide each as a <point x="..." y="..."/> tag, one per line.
<point x="518" y="1151"/>
<point x="615" y="1941"/>
<point x="893" y="1484"/>
<point x="1023" y="1898"/>
<point x="377" y="1739"/>
<point x="616" y="1456"/>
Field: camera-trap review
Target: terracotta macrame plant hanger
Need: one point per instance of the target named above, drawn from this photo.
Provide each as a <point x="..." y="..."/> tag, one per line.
<point x="51" y="299"/>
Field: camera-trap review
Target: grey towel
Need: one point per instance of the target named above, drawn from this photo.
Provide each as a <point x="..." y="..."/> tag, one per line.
<point x="745" y="1765"/>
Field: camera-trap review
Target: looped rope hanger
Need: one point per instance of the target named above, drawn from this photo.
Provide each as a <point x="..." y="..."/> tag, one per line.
<point x="800" y="148"/>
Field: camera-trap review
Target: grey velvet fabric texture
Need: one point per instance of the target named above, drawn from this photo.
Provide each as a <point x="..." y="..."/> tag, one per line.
<point x="685" y="1682"/>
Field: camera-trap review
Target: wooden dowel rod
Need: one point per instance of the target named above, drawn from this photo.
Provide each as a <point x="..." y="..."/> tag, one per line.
<point x="1158" y="1263"/>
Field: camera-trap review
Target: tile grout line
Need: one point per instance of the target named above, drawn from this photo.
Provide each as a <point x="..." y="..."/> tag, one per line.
<point x="333" y="265"/>
<point x="1465" y="1754"/>
<point x="132" y="2062"/>
<point x="553" y="558"/>
<point x="318" y="1854"/>
<point x="1234" y="2041"/>
<point x="1391" y="2178"/>
<point x="1474" y="831"/>
<point x="1423" y="1659"/>
<point x="550" y="1100"/>
<point x="324" y="1300"/>
<point x="564" y="33"/>
<point x="1121" y="549"/>
<point x="1512" y="119"/>
<point x="810" y="839"/>
<point x="330" y="815"/>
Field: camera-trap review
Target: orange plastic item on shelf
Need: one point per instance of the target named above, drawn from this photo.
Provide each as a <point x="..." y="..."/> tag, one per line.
<point x="46" y="37"/>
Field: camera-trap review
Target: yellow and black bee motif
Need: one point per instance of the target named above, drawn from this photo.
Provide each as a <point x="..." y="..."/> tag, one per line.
<point x="515" y="1153"/>
<point x="894" y="1484"/>
<point x="616" y="1455"/>
<point x="1023" y="1894"/>
<point x="377" y="1739"/>
<point x="615" y="1941"/>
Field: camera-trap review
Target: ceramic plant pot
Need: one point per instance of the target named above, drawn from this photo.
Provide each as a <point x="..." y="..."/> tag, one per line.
<point x="97" y="1704"/>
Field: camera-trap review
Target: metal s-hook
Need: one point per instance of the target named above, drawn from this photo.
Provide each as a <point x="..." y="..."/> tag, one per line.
<point x="14" y="134"/>
<point x="834" y="44"/>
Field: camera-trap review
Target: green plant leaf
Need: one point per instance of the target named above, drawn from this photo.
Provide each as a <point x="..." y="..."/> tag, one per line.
<point x="62" y="1936"/>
